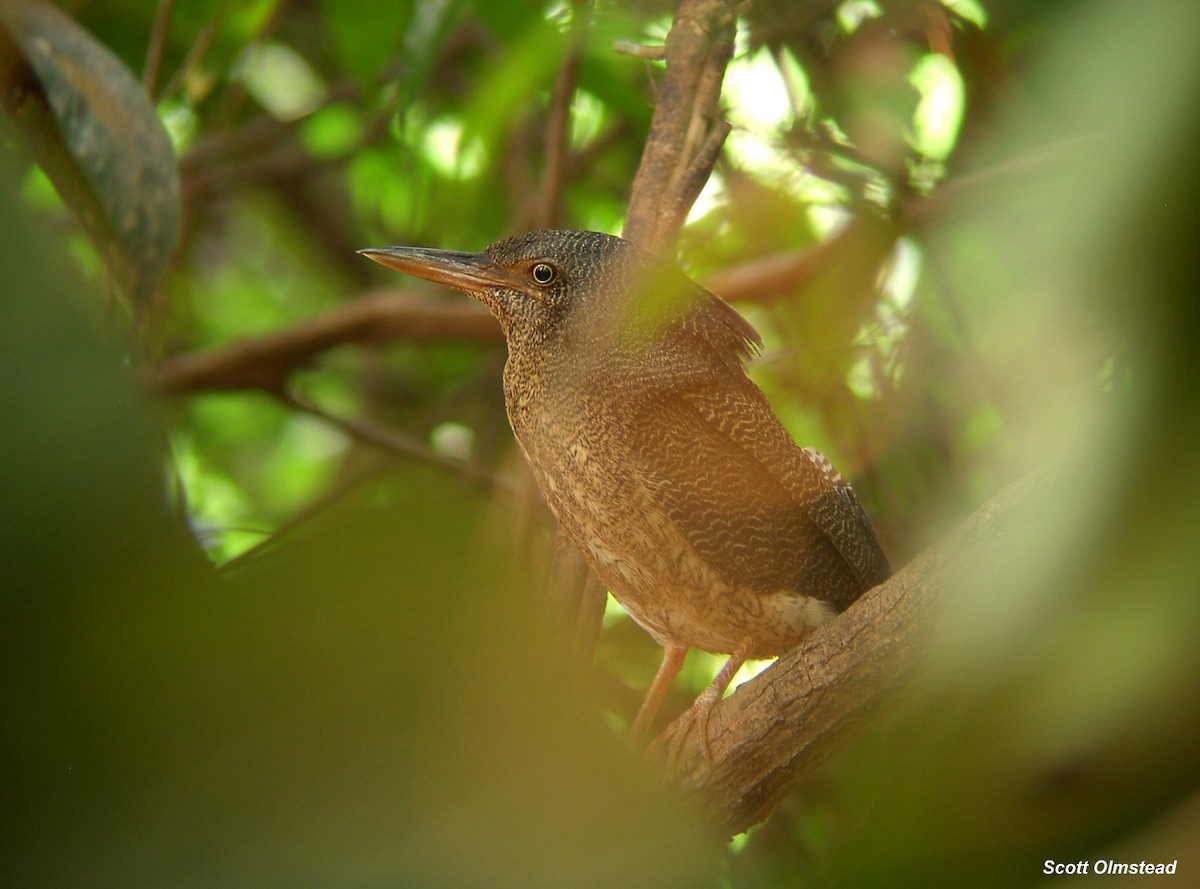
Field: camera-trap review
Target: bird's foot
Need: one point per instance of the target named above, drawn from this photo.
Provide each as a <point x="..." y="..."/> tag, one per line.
<point x="696" y="716"/>
<point x="693" y="720"/>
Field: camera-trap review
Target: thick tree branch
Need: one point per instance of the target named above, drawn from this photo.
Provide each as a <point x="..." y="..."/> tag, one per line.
<point x="685" y="133"/>
<point x="782" y="726"/>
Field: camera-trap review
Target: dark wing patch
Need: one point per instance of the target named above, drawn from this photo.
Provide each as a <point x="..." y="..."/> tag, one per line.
<point x="838" y="512"/>
<point x="758" y="509"/>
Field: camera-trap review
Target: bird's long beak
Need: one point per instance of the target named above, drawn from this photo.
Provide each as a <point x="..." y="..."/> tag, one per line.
<point x="469" y="272"/>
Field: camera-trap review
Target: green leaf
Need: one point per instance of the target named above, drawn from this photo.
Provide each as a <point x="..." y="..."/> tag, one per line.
<point x="92" y="129"/>
<point x="365" y="34"/>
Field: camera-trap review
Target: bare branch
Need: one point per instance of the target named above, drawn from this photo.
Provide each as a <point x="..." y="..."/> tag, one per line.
<point x="651" y="53"/>
<point x="579" y="161"/>
<point x="558" y="126"/>
<point x="265" y="363"/>
<point x="699" y="46"/>
<point x="782" y="726"/>
<point x="204" y="40"/>
<point x="382" y="316"/>
<point x="154" y="50"/>
<point x="770" y="277"/>
<point x="261" y="132"/>
<point x="390" y="440"/>
<point x="285" y="534"/>
<point x="691" y="181"/>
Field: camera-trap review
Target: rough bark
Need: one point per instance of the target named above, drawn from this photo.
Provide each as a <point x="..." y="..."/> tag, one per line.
<point x="785" y="724"/>
<point x="686" y="132"/>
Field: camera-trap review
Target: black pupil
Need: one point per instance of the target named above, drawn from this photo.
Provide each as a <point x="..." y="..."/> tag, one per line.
<point x="542" y="273"/>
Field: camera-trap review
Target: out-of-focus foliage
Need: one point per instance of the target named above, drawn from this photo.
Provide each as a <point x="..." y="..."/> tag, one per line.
<point x="93" y="130"/>
<point x="998" y="199"/>
<point x="370" y="707"/>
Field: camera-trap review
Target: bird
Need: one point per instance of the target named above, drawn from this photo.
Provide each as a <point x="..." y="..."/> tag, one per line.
<point x="626" y="389"/>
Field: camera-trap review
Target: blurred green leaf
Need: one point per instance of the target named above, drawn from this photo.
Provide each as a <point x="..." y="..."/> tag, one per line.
<point x="365" y="34"/>
<point x="165" y="726"/>
<point x="98" y="138"/>
<point x="515" y="76"/>
<point x="431" y="25"/>
<point x="369" y="697"/>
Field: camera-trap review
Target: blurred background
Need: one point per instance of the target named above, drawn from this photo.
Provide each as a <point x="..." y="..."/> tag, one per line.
<point x="272" y="567"/>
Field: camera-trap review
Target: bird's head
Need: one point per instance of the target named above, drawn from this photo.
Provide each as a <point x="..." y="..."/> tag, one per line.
<point x="530" y="282"/>
<point x="575" y="286"/>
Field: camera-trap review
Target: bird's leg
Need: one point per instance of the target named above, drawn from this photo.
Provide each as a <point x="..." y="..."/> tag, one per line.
<point x="668" y="669"/>
<point x="702" y="708"/>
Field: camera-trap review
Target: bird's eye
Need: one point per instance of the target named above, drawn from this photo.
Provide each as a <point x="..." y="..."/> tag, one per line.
<point x="543" y="273"/>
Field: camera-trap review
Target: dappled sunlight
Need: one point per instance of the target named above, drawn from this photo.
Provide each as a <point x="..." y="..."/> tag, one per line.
<point x="286" y="605"/>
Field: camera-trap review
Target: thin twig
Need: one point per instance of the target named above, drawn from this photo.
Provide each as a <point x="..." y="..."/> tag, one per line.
<point x="770" y="277"/>
<point x="557" y="129"/>
<point x="579" y="161"/>
<point x="204" y="40"/>
<point x="263" y="131"/>
<point x="377" y="435"/>
<point x="258" y="151"/>
<point x="273" y="542"/>
<point x="154" y="49"/>
<point x="650" y="52"/>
